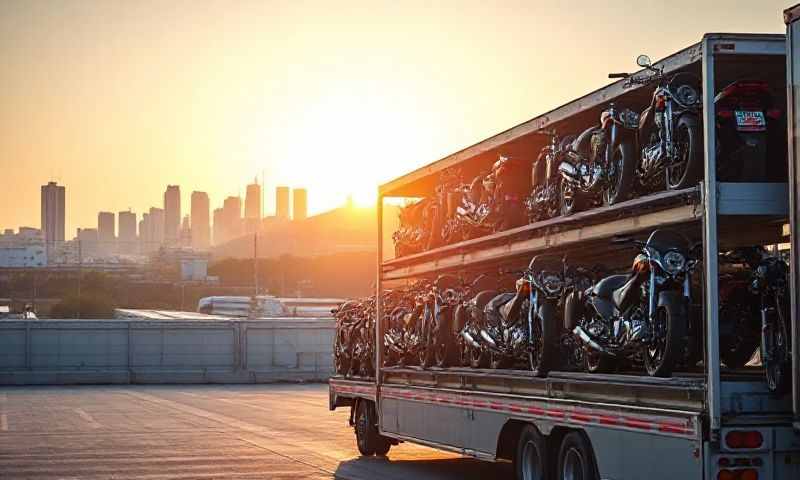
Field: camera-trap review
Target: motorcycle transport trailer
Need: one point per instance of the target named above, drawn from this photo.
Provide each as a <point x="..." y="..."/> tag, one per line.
<point x="708" y="422"/>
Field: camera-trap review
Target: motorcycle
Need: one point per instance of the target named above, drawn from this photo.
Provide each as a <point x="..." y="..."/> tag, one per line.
<point x="402" y="338"/>
<point x="767" y="286"/>
<point x="411" y="237"/>
<point x="353" y="346"/>
<point x="544" y="199"/>
<point x="668" y="129"/>
<point x="490" y="203"/>
<point x="748" y="125"/>
<point x="468" y="320"/>
<point x="599" y="165"/>
<point x="523" y="324"/>
<point x="642" y="314"/>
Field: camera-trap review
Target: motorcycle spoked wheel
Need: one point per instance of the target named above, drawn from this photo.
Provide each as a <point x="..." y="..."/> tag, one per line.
<point x="685" y="171"/>
<point x="569" y="200"/>
<point x="662" y="355"/>
<point x="621" y="173"/>
<point x="775" y="367"/>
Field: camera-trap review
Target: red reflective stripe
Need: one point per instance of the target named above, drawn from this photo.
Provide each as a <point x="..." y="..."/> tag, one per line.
<point x="580" y="417"/>
<point x="555" y="413"/>
<point x="636" y="423"/>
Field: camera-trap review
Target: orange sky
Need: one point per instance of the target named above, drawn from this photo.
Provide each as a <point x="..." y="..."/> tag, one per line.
<point x="116" y="99"/>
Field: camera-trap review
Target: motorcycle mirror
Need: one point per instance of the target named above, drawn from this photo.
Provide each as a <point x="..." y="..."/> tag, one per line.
<point x="643" y="61"/>
<point x="621" y="240"/>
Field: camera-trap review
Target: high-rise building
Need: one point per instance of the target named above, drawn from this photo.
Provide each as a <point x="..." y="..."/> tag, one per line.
<point x="186" y="232"/>
<point x="172" y="213"/>
<point x="106" y="232"/>
<point x="299" y="204"/>
<point x="200" y="224"/>
<point x="156" y="228"/>
<point x="53" y="213"/>
<point x="145" y="233"/>
<point x="126" y="232"/>
<point x="252" y="201"/>
<point x="282" y="203"/>
<point x="219" y="226"/>
<point x="88" y="243"/>
<point x="232" y="217"/>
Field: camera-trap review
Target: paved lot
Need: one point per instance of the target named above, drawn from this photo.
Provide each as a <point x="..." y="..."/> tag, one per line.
<point x="199" y="432"/>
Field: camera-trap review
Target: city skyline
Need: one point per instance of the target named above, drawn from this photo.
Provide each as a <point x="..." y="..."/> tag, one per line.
<point x="205" y="97"/>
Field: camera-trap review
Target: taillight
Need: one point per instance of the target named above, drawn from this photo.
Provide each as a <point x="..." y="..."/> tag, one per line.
<point x="774" y="113"/>
<point x="746" y="474"/>
<point x="739" y="439"/>
<point x="726" y="114"/>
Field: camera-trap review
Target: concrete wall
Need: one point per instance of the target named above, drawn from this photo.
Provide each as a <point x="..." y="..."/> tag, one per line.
<point x="191" y="351"/>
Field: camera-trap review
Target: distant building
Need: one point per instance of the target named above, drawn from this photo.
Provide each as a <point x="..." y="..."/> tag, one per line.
<point x="299" y="204"/>
<point x="219" y="226"/>
<point x="200" y="224"/>
<point x="127" y="232"/>
<point x="252" y="207"/>
<point x="88" y="243"/>
<point x="186" y="232"/>
<point x="53" y="213"/>
<point x="145" y="233"/>
<point x="156" y="228"/>
<point x="232" y="217"/>
<point x="23" y="256"/>
<point x="172" y="213"/>
<point x="282" y="203"/>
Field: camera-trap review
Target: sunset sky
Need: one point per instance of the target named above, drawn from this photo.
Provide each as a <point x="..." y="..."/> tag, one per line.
<point x="117" y="99"/>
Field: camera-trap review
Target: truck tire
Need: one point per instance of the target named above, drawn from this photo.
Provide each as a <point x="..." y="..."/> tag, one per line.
<point x="369" y="441"/>
<point x="530" y="461"/>
<point x="576" y="458"/>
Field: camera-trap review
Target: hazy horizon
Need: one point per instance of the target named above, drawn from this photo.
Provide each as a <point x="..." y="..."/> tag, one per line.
<point x="116" y="100"/>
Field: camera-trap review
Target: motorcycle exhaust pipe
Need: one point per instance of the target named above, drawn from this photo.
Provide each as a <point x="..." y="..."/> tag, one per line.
<point x="470" y="340"/>
<point x="588" y="340"/>
<point x="488" y="339"/>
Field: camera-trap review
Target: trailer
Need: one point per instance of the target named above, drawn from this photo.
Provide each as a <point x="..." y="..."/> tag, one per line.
<point x="714" y="423"/>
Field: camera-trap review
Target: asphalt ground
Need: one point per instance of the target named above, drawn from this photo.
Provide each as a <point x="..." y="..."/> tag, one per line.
<point x="200" y="432"/>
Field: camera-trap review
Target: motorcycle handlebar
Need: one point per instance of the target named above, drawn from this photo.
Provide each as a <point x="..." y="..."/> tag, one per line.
<point x="618" y="75"/>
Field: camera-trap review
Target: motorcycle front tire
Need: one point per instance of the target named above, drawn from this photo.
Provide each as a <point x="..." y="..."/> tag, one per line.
<point x="694" y="159"/>
<point x="541" y="362"/>
<point x="673" y="307"/>
<point x="623" y="183"/>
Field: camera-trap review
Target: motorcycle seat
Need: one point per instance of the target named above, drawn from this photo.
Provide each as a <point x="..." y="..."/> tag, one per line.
<point x="605" y="287"/>
<point x="493" y="310"/>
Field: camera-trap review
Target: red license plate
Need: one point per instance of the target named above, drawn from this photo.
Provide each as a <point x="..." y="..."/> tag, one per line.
<point x="750" y="121"/>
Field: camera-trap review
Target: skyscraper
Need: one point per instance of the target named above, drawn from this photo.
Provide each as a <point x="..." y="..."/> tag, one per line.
<point x="126" y="232"/>
<point x="106" y="230"/>
<point x="299" y="204"/>
<point x="232" y="217"/>
<point x="172" y="213"/>
<point x="201" y="226"/>
<point x="219" y="226"/>
<point x="252" y="207"/>
<point x="145" y="233"/>
<point x="156" y="228"/>
<point x="282" y="203"/>
<point x="53" y="213"/>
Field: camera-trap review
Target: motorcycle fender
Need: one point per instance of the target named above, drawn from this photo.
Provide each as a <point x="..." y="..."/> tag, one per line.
<point x="602" y="306"/>
<point x="672" y="297"/>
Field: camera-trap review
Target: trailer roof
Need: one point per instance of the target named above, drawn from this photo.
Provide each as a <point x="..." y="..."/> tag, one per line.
<point x="517" y="140"/>
<point x="791" y="14"/>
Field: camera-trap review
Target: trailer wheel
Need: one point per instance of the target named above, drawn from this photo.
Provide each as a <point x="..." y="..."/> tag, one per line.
<point x="576" y="459"/>
<point x="530" y="462"/>
<point x="369" y="441"/>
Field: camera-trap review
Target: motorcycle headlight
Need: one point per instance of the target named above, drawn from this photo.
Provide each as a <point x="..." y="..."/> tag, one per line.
<point x="673" y="262"/>
<point x="687" y="95"/>
<point x="552" y="283"/>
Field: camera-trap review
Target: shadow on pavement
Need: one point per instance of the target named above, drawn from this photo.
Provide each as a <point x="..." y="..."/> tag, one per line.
<point x="423" y="469"/>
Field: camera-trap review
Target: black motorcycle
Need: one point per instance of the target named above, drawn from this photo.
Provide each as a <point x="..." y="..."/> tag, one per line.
<point x="544" y="199"/>
<point x="642" y="314"/>
<point x="749" y="132"/>
<point x="763" y="307"/>
<point x="600" y="163"/>
<point x="669" y="134"/>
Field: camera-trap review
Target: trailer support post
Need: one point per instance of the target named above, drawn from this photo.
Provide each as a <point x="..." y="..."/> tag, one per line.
<point x="794" y="228"/>
<point x="711" y="242"/>
<point x="379" y="308"/>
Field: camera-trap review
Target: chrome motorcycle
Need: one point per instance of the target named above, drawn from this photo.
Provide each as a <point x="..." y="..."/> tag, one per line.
<point x="669" y="136"/>
<point x="599" y="165"/>
<point x="544" y="199"/>
<point x="642" y="314"/>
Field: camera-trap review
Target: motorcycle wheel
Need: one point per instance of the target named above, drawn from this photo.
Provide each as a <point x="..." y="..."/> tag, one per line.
<point x="543" y="356"/>
<point x="662" y="355"/>
<point x="620" y="174"/>
<point x="688" y="169"/>
<point x="775" y="365"/>
<point x="443" y="346"/>
<point x="738" y="348"/>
